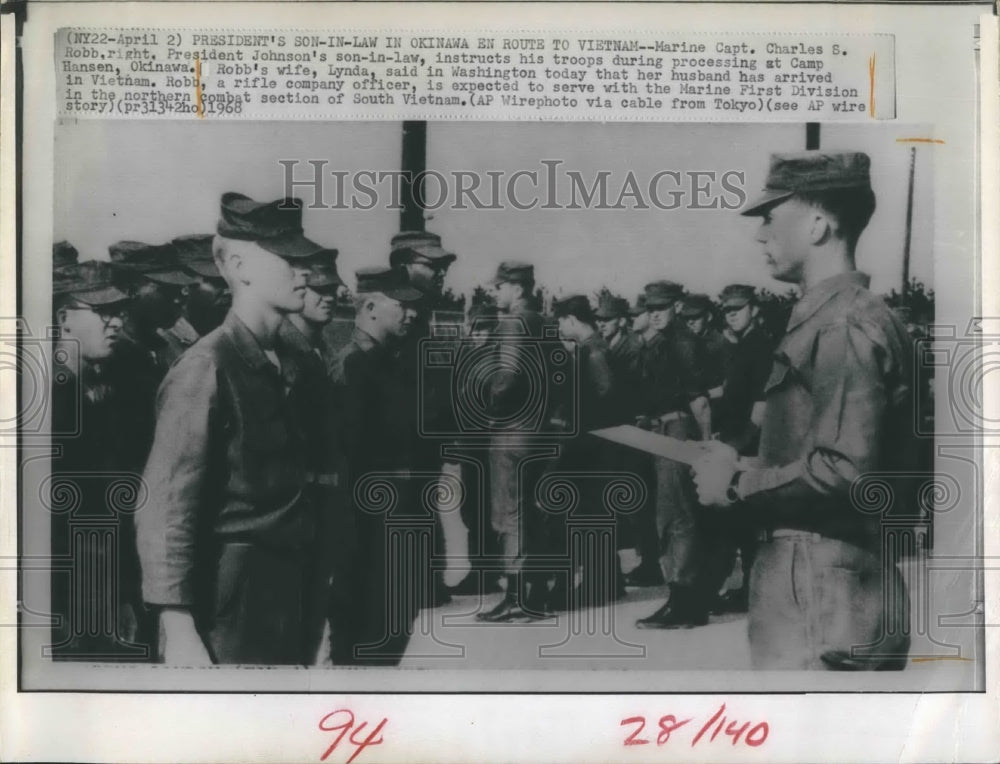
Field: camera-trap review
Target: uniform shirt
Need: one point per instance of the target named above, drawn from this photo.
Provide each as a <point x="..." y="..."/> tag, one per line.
<point x="713" y="355"/>
<point x="102" y="426"/>
<point x="512" y="385"/>
<point x="597" y="401"/>
<point x="315" y="402"/>
<point x="625" y="358"/>
<point x="672" y="371"/>
<point x="227" y="464"/>
<point x="748" y="360"/>
<point x="838" y="406"/>
<point x="379" y="406"/>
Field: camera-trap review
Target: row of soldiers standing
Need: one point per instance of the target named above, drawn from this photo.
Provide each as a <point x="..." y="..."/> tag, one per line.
<point x="265" y="526"/>
<point x="250" y="431"/>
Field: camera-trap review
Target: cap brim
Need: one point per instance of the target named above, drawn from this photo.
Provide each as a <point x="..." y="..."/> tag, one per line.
<point x="105" y="296"/>
<point x="324" y="283"/>
<point x="293" y="246"/>
<point x="404" y="294"/>
<point x="768" y="198"/>
<point x="735" y="302"/>
<point x="170" y="278"/>
<point x="658" y="305"/>
<point x="204" y="268"/>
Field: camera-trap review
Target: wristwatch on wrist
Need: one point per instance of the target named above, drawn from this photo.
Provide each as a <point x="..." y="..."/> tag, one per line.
<point x="732" y="492"/>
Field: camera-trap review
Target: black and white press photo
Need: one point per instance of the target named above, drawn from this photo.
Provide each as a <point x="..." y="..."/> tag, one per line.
<point x="483" y="397"/>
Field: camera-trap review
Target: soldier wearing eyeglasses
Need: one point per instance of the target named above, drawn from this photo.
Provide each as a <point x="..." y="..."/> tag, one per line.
<point x="101" y="430"/>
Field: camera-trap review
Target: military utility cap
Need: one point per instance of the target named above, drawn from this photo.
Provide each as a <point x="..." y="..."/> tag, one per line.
<point x="407" y="246"/>
<point x="640" y="306"/>
<point x="514" y="272"/>
<point x="274" y="226"/>
<point x="64" y="253"/>
<point x="195" y="254"/>
<point x="696" y="305"/>
<point x="809" y="172"/>
<point x="156" y="262"/>
<point x="323" y="274"/>
<point x="609" y="307"/>
<point x="662" y="294"/>
<point x="91" y="282"/>
<point x="737" y="295"/>
<point x="392" y="282"/>
<point x="576" y="305"/>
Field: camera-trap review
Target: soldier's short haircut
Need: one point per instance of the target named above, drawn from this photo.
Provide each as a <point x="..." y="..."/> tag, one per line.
<point x="851" y="207"/>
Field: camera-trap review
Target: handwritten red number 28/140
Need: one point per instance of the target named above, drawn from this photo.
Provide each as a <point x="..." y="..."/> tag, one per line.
<point x="342" y="720"/>
<point x="752" y="736"/>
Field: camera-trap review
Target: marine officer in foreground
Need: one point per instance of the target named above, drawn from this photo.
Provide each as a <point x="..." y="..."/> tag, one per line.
<point x="823" y="593"/>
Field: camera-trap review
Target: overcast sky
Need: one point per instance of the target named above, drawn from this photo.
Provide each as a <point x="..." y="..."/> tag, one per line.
<point x="152" y="181"/>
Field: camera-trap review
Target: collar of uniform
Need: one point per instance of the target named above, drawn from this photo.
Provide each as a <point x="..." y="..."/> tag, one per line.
<point x="293" y="338"/>
<point x="246" y="343"/>
<point x="183" y="331"/>
<point x="363" y="339"/>
<point x="823" y="292"/>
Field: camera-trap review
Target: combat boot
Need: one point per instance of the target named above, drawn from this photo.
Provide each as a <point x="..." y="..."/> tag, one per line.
<point x="682" y="610"/>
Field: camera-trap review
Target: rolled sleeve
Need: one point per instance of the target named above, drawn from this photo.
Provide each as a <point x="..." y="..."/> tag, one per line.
<point x="849" y="399"/>
<point x="175" y="478"/>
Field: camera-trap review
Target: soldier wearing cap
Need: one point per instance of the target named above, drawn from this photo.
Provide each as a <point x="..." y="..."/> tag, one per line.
<point x="624" y="346"/>
<point x="318" y="405"/>
<point x="159" y="288"/>
<point x="823" y="593"/>
<point x="226" y="540"/>
<point x="208" y="298"/>
<point x="379" y="421"/>
<point x="512" y="488"/>
<point x="426" y="262"/>
<point x="625" y="356"/>
<point x="676" y="404"/>
<point x="639" y="317"/>
<point x="596" y="406"/>
<point x="63" y="254"/>
<point x="102" y="434"/>
<point x="736" y="417"/>
<point x="697" y="312"/>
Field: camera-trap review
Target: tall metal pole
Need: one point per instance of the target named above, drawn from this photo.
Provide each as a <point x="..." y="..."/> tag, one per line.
<point x="909" y="222"/>
<point x="812" y="136"/>
<point x="414" y="162"/>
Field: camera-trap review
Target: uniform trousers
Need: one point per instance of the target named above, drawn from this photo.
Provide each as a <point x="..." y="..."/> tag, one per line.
<point x="678" y="514"/>
<point x="259" y="609"/>
<point x="822" y="603"/>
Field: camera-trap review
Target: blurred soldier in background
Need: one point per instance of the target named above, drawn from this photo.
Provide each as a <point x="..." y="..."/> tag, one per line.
<point x="159" y="287"/>
<point x="824" y="592"/>
<point x="100" y="425"/>
<point x="676" y="404"/>
<point x="596" y="407"/>
<point x="697" y="313"/>
<point x="637" y="541"/>
<point x="226" y="542"/>
<point x="380" y="437"/>
<point x="422" y="256"/>
<point x="208" y="298"/>
<point x="736" y="418"/>
<point x="317" y="404"/>
<point x="640" y="318"/>
<point x="512" y="488"/>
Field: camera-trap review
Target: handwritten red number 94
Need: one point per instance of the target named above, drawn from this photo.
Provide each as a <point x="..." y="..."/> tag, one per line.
<point x="342" y="720"/>
<point x="752" y="736"/>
